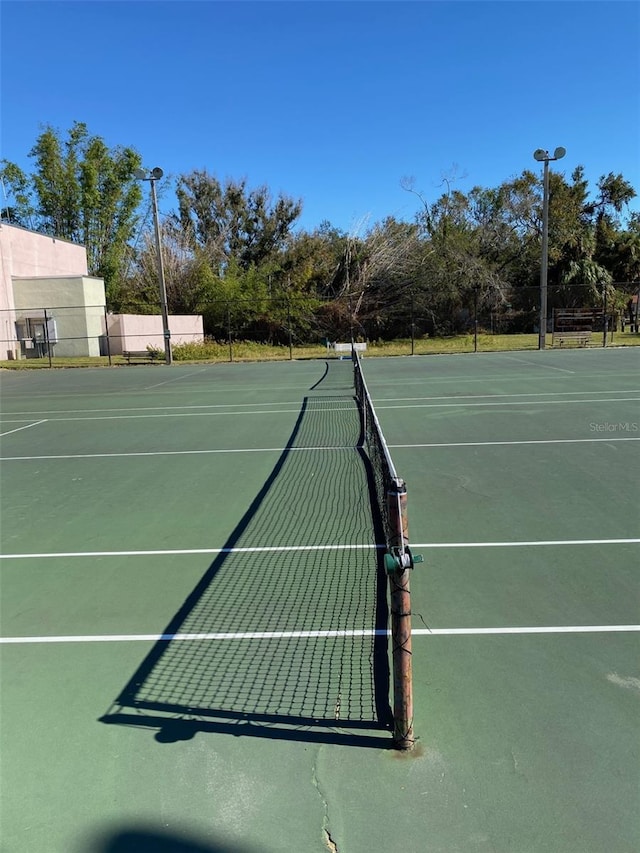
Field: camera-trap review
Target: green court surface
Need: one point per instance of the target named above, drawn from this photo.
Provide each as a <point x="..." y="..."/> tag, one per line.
<point x="194" y="626"/>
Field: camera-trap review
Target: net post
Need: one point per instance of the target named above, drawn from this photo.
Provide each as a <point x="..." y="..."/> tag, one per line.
<point x="400" y="594"/>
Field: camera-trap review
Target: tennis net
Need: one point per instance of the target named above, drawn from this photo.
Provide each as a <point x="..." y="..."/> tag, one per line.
<point x="390" y="490"/>
<point x="391" y="500"/>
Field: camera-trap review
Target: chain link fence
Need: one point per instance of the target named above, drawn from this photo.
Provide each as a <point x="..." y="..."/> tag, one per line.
<point x="407" y="321"/>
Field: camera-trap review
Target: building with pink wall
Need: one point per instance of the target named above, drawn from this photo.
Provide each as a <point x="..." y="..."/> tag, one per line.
<point x="137" y="332"/>
<point x="49" y="305"/>
<point x="28" y="254"/>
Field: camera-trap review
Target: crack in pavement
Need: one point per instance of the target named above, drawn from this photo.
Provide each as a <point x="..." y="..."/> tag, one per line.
<point x="326" y="832"/>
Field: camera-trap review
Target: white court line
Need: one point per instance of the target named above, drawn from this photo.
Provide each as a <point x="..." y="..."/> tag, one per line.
<point x="536" y="364"/>
<point x="189" y="415"/>
<point x="351" y="448"/>
<point x="275" y="549"/>
<point x="187" y="551"/>
<point x="465" y="380"/>
<point x="496" y="396"/>
<point x="174" y="379"/>
<point x="513" y="403"/>
<point x="154" y="453"/>
<point x="534" y="629"/>
<point x="328" y="634"/>
<point x="530" y="544"/>
<point x="342" y="409"/>
<point x="509" y="443"/>
<point x="28" y="426"/>
<point x="297" y="402"/>
<point x="203" y="406"/>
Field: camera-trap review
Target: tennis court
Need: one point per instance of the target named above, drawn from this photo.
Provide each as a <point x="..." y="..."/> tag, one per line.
<point x="194" y="647"/>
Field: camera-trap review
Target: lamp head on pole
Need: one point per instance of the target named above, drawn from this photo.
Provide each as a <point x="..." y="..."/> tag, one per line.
<point x="144" y="175"/>
<point x="541" y="155"/>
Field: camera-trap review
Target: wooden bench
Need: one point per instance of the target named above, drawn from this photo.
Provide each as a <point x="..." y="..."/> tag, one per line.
<point x="141" y="355"/>
<point x="579" y="339"/>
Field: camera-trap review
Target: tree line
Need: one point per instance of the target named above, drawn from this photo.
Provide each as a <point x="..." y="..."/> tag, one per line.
<point x="233" y="253"/>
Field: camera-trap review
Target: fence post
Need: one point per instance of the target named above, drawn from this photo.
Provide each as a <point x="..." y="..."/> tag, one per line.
<point x="413" y="326"/>
<point x="289" y="327"/>
<point x="351" y="338"/>
<point x="475" y="318"/>
<point x="106" y="334"/>
<point x="605" y="320"/>
<point x="46" y="336"/>
<point x="229" y="331"/>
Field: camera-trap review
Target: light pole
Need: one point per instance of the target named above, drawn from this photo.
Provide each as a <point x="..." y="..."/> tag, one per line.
<point x="543" y="156"/>
<point x="153" y="176"/>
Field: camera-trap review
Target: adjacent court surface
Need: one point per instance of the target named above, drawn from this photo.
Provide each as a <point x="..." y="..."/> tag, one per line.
<point x="194" y="641"/>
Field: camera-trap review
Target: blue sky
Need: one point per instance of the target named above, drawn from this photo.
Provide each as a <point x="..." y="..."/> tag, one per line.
<point x="332" y="102"/>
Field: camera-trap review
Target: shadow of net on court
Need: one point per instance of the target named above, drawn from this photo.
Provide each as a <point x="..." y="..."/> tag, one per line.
<point x="284" y="643"/>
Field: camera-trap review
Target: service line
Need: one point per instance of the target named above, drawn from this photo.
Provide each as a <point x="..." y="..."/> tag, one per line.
<point x="275" y="549"/>
<point x="154" y="453"/>
<point x="350" y="448"/>
<point x="326" y="634"/>
<point x="211" y="406"/>
<point x="379" y="406"/>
